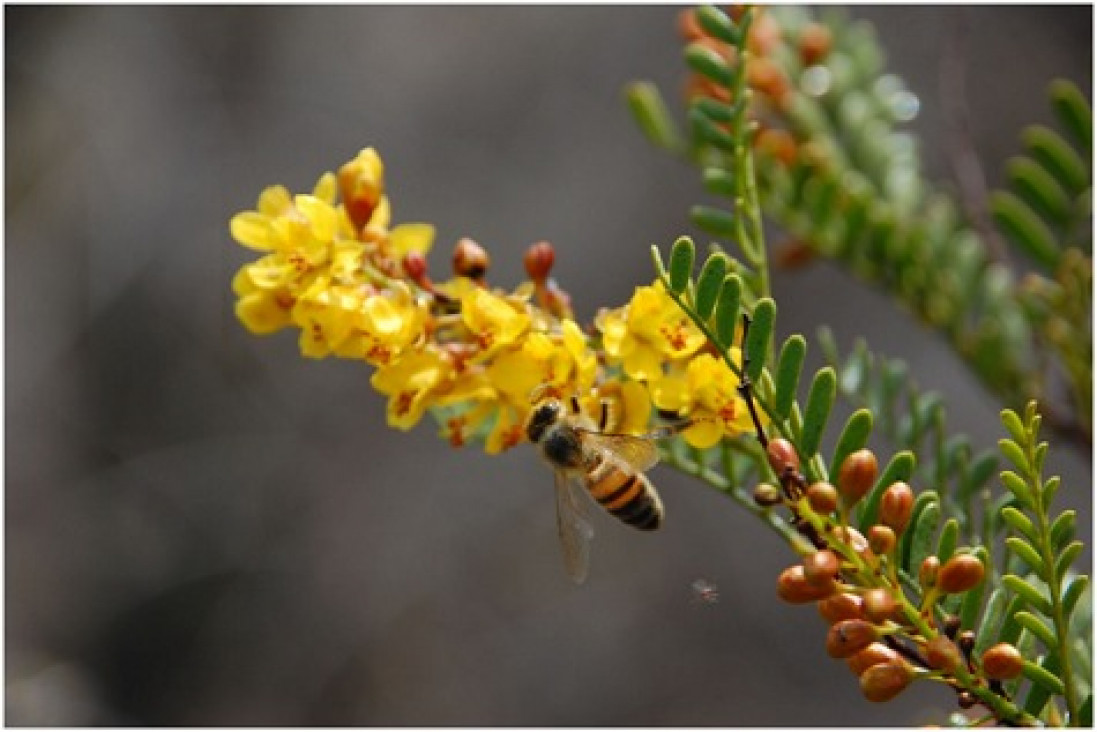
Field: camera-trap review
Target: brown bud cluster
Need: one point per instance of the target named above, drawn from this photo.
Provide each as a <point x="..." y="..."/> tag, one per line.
<point x="815" y="44"/>
<point x="884" y="681"/>
<point x="880" y="604"/>
<point x="782" y="456"/>
<point x="895" y="506"/>
<point x="856" y="476"/>
<point x="794" y="587"/>
<point x="874" y="654"/>
<point x="960" y="573"/>
<point x="1003" y="661"/>
<point x="767" y="494"/>
<point x="822" y="497"/>
<point x="841" y="606"/>
<point x="470" y="259"/>
<point x="943" y="655"/>
<point x="850" y="636"/>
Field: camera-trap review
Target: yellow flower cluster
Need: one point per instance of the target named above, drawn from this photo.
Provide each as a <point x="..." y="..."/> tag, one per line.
<point x="357" y="287"/>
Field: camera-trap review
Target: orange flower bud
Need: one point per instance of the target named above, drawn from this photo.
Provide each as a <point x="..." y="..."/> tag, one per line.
<point x="895" y="506"/>
<point x="782" y="455"/>
<point x="764" y="35"/>
<point x="943" y="654"/>
<point x="688" y="26"/>
<point x="822" y="497"/>
<point x="856" y="476"/>
<point x="885" y="681"/>
<point x="539" y="260"/>
<point x="793" y="587"/>
<point x="815" y="43"/>
<point x="875" y="653"/>
<point x="841" y="606"/>
<point x="850" y="636"/>
<point x="470" y="259"/>
<point x="820" y="568"/>
<point x="927" y="573"/>
<point x="1003" y="661"/>
<point x="960" y="573"/>
<point x="415" y="266"/>
<point x="881" y="539"/>
<point x="879" y="604"/>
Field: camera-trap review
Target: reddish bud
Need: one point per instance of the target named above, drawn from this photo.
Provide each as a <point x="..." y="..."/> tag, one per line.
<point x="782" y="455"/>
<point x="927" y="573"/>
<point x="875" y="653"/>
<point x="885" y="681"/>
<point x="470" y="259"/>
<point x="943" y="655"/>
<point x="793" y="587"/>
<point x="895" y="506"/>
<point x="960" y="573"/>
<point x="850" y="636"/>
<point x="822" y="497"/>
<point x="856" y="476"/>
<point x="539" y="260"/>
<point x="815" y="43"/>
<point x="764" y="34"/>
<point x="415" y="266"/>
<point x="879" y="604"/>
<point x="1003" y="661"/>
<point x="821" y="567"/>
<point x="688" y="26"/>
<point x="841" y="606"/>
<point x="881" y="539"/>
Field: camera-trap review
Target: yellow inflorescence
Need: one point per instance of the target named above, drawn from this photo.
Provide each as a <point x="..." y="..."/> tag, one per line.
<point x="356" y="287"/>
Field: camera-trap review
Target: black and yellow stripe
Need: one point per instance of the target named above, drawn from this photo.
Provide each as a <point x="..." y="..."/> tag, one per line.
<point x="628" y="496"/>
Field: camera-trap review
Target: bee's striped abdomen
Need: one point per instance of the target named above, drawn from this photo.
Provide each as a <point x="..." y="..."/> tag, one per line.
<point x="628" y="496"/>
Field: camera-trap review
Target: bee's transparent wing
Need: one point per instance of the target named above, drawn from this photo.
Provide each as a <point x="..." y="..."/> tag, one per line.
<point x="575" y="530"/>
<point x="638" y="452"/>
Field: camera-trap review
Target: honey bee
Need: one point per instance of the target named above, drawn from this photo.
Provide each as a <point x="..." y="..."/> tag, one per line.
<point x="609" y="467"/>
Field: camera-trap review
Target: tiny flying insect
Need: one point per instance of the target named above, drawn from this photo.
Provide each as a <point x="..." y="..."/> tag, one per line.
<point x="609" y="467"/>
<point x="704" y="591"/>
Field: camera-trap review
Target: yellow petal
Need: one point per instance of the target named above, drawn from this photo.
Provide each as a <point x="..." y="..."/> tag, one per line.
<point x="702" y="434"/>
<point x="326" y="188"/>
<point x="322" y="217"/>
<point x="252" y="229"/>
<point x="274" y="201"/>
<point x="261" y="314"/>
<point x="643" y="363"/>
<point x="411" y="238"/>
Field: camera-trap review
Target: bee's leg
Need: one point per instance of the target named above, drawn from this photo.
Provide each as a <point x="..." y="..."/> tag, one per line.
<point x="575" y="407"/>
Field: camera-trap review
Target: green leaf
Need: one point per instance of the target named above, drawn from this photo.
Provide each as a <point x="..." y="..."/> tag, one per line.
<point x="708" y="63"/>
<point x="1038" y="675"/>
<point x="1025" y="229"/>
<point x="1014" y="453"/>
<point x="710" y="132"/>
<point x="714" y="220"/>
<point x="1062" y="530"/>
<point x="1051" y="487"/>
<point x="1072" y="594"/>
<point x="1028" y="555"/>
<point x="657" y="260"/>
<point x="1085" y="714"/>
<point x="1051" y="151"/>
<point x="718" y="111"/>
<point x="650" y="112"/>
<point x="681" y="264"/>
<point x="727" y="311"/>
<point x="1013" y="424"/>
<point x="1030" y="594"/>
<point x="922" y="530"/>
<point x="946" y="543"/>
<point x="992" y="620"/>
<point x="1011" y="629"/>
<point x="900" y="467"/>
<point x="717" y="24"/>
<point x="817" y="409"/>
<point x="1067" y="557"/>
<point x="1039" y="190"/>
<point x="1020" y="523"/>
<point x="1019" y="488"/>
<point x="718" y="181"/>
<point x="979" y="472"/>
<point x="1038" y="628"/>
<point x="709" y="283"/>
<point x="1073" y="112"/>
<point x="854" y="436"/>
<point x="760" y="335"/>
<point x="789" y="365"/>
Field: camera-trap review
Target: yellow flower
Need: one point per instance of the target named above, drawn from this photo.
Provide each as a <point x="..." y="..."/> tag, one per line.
<point x="706" y="391"/>
<point x="412" y="382"/>
<point x="628" y="402"/>
<point x="261" y="310"/>
<point x="493" y="321"/>
<point x="646" y="333"/>
<point x="362" y="184"/>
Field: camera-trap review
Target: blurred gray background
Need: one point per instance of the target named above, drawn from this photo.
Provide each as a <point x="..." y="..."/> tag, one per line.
<point x="204" y="528"/>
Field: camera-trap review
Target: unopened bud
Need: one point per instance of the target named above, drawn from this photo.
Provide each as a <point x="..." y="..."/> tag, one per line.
<point x="950" y="626"/>
<point x="767" y="494"/>
<point x="815" y="43"/>
<point x="875" y="653"/>
<point x="879" y="604"/>
<point x="841" y="606"/>
<point x="943" y="655"/>
<point x="793" y="587"/>
<point x="885" y="681"/>
<point x="895" y="506"/>
<point x="821" y="567"/>
<point x="881" y="539"/>
<point x="415" y="266"/>
<point x="470" y="259"/>
<point x="822" y="497"/>
<point x="782" y="455"/>
<point x="1003" y="661"/>
<point x="856" y="476"/>
<point x="927" y="573"/>
<point x="850" y="636"/>
<point x="539" y="260"/>
<point x="960" y="573"/>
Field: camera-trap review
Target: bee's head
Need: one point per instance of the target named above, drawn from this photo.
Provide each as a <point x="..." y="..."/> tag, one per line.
<point x="542" y="417"/>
